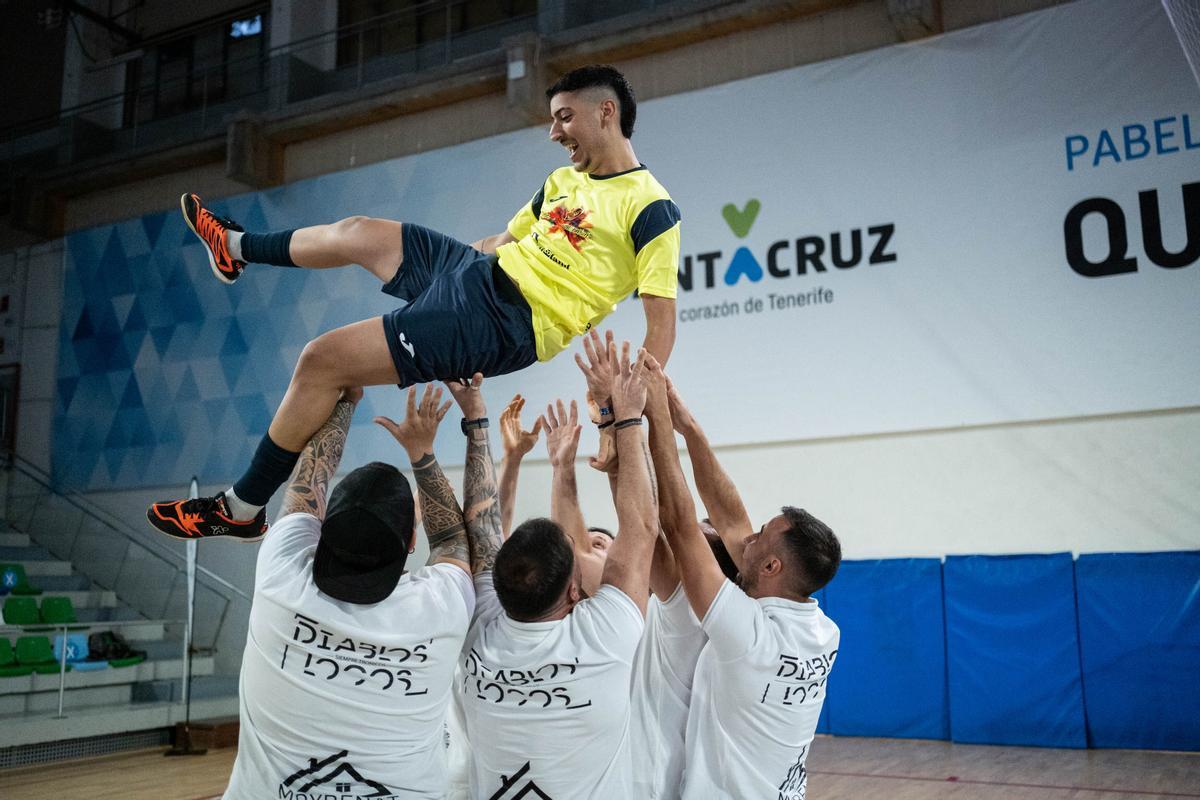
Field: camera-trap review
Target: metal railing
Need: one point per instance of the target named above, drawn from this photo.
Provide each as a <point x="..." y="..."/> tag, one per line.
<point x="144" y="573"/>
<point x="297" y="71"/>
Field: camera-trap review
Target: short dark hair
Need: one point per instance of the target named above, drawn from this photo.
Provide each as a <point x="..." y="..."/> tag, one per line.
<point x="814" y="549"/>
<point x="605" y="531"/>
<point x="721" y="553"/>
<point x="533" y="568"/>
<point x="601" y="76"/>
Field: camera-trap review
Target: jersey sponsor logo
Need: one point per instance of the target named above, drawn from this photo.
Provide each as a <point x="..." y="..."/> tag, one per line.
<point x="571" y="223"/>
<point x="332" y="777"/>
<point x="513" y="789"/>
<point x="406" y="345"/>
<point x="795" y="785"/>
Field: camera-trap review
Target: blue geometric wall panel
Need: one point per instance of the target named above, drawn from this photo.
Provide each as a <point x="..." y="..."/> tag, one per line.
<point x="165" y="372"/>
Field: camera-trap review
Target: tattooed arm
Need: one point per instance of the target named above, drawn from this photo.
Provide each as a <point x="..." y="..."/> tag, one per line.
<point x="440" y="512"/>
<point x="479" y="490"/>
<point x="319" y="461"/>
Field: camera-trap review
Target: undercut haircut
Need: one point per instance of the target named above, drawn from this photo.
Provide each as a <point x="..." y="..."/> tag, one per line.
<point x="601" y="76"/>
<point x="814" y="549"/>
<point x="533" y="569"/>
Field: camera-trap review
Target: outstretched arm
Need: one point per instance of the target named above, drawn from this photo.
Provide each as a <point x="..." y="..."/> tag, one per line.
<point x="517" y="443"/>
<point x="306" y="494"/>
<point x="628" y="564"/>
<point x="698" y="569"/>
<point x="480" y="494"/>
<point x="717" y="492"/>
<point x="660" y="326"/>
<point x="441" y="516"/>
<point x="562" y="442"/>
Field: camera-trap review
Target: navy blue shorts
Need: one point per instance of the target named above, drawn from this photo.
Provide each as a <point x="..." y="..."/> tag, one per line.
<point x="464" y="314"/>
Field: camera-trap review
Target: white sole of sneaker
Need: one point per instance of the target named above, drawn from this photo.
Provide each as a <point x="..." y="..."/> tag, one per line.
<point x="212" y="262"/>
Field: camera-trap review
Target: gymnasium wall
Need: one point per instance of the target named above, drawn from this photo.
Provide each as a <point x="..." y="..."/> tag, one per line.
<point x="975" y="394"/>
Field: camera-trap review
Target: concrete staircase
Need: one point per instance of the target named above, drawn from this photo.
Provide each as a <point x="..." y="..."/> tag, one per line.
<point x="112" y="700"/>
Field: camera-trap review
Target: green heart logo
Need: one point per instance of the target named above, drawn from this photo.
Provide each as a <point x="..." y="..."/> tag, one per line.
<point x="740" y="221"/>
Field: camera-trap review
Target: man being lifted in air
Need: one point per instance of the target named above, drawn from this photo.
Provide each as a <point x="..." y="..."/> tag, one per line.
<point x="593" y="233"/>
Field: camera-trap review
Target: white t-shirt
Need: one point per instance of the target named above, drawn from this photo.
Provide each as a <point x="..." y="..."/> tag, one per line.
<point x="663" y="670"/>
<point x="759" y="687"/>
<point x="546" y="704"/>
<point x="339" y="699"/>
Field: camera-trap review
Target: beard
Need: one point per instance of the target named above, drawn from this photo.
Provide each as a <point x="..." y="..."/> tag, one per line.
<point x="747" y="583"/>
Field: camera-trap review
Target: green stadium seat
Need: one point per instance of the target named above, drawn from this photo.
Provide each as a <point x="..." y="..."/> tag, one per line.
<point x="21" y="611"/>
<point x="14" y="581"/>
<point x="9" y="668"/>
<point x="58" y="611"/>
<point x="36" y="652"/>
<point x="127" y="662"/>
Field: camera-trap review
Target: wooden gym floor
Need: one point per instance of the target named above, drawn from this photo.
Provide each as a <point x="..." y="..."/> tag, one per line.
<point x="841" y="769"/>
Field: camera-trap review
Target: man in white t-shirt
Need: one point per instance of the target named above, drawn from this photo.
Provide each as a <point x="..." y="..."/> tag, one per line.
<point x="349" y="660"/>
<point x="760" y="680"/>
<point x="546" y="669"/>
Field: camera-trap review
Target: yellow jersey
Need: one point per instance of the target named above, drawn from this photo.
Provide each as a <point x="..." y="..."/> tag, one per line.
<point x="584" y="243"/>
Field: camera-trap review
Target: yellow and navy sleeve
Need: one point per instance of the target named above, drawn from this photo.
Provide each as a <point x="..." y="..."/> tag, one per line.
<point x="522" y="223"/>
<point x="655" y="234"/>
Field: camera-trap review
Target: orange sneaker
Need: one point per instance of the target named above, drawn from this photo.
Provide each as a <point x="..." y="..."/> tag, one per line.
<point x="211" y="230"/>
<point x="204" y="518"/>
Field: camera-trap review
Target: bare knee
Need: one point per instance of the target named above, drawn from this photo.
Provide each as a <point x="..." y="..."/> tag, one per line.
<point x="352" y="227"/>
<point x="319" y="362"/>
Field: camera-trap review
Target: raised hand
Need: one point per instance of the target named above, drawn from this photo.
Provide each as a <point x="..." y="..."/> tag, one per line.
<point x="681" y="418"/>
<point x="419" y="428"/>
<point x="605" y="459"/>
<point x="562" y="433"/>
<point x="468" y="396"/>
<point x="517" y="442"/>
<point x="596" y="369"/>
<point x="629" y="381"/>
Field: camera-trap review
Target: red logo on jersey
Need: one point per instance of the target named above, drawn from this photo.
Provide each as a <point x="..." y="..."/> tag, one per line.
<point x="571" y="223"/>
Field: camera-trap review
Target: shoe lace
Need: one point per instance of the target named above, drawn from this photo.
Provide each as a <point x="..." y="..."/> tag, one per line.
<point x="198" y="508"/>
<point x="226" y="222"/>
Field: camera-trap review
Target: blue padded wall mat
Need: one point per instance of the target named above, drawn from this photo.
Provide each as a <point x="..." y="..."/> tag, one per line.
<point x="1139" y="630"/>
<point x="1013" y="651"/>
<point x="890" y="674"/>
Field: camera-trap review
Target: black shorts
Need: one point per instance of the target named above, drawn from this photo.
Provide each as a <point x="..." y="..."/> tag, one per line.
<point x="464" y="314"/>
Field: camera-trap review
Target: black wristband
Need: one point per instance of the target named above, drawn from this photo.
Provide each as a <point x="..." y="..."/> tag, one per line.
<point x="625" y="423"/>
<point x="603" y="425"/>
<point x="469" y="425"/>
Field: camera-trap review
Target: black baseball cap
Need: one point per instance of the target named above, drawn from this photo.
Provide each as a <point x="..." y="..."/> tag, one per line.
<point x="365" y="536"/>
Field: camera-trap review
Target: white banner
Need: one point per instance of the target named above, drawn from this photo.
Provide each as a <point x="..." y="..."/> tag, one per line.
<point x="984" y="227"/>
<point x="995" y="225"/>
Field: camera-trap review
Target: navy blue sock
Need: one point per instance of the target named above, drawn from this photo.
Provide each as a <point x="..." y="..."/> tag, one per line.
<point x="269" y="468"/>
<point x="268" y="248"/>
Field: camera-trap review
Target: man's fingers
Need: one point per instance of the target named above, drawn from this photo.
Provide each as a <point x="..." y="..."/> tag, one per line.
<point x="575" y="435"/>
<point x="477" y="380"/>
<point x="625" y="357"/>
<point x="442" y="411"/>
<point x="388" y="425"/>
<point x="537" y="426"/>
<point x="411" y="407"/>
<point x="574" y="413"/>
